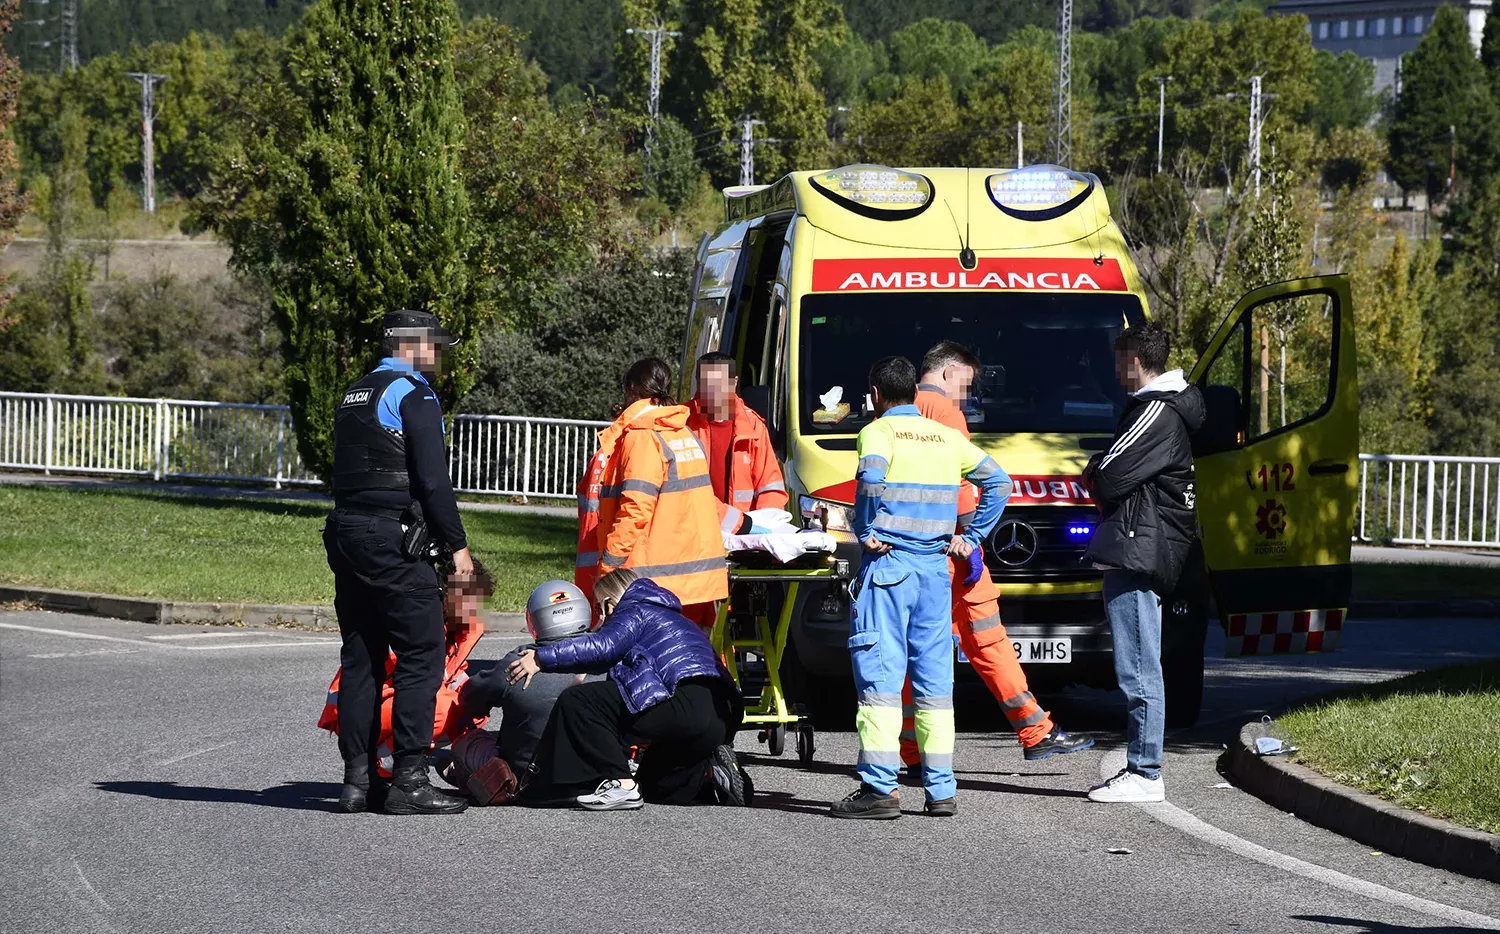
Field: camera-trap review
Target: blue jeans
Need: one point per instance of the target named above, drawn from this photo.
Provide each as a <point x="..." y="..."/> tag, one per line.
<point x="1134" y="612"/>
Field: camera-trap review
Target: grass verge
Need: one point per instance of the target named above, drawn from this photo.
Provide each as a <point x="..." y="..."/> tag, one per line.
<point x="1426" y="582"/>
<point x="1429" y="741"/>
<point x="236" y="550"/>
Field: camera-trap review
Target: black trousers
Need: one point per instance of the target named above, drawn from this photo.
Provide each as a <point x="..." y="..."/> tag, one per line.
<point x="385" y="602"/>
<point x="589" y="736"/>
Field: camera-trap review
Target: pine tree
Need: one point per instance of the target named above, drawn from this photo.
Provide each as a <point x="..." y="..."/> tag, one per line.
<point x="1442" y="85"/>
<point x="371" y="206"/>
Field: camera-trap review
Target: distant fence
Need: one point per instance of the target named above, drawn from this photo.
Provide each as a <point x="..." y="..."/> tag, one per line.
<point x="177" y="439"/>
<point x="1416" y="499"/>
<point x="1403" y="499"/>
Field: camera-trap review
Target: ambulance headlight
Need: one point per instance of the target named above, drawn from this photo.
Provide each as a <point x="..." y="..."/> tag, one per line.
<point x="833" y="517"/>
<point x="1039" y="192"/>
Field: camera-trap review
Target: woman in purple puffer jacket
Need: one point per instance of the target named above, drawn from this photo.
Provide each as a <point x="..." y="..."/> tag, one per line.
<point x="667" y="691"/>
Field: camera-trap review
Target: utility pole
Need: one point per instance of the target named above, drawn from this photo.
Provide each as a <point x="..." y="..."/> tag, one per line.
<point x="1161" y="117"/>
<point x="68" y="55"/>
<point x="149" y="111"/>
<point x="1452" y="157"/>
<point x="1062" y="118"/>
<point x="747" y="149"/>
<point x="1020" y="145"/>
<point x="1256" y="121"/>
<point x="653" y="94"/>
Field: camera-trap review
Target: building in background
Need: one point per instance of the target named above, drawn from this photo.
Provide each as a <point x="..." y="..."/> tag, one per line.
<point x="1379" y="30"/>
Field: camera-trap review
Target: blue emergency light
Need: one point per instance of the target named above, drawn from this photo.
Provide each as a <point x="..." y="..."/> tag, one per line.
<point x="1078" y="531"/>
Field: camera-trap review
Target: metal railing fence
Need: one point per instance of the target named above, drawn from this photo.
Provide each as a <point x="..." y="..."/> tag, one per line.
<point x="1404" y="499"/>
<point x="1420" y="499"/>
<point x="175" y="438"/>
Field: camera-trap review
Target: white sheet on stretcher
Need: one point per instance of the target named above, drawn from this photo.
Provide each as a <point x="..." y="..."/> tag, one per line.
<point x="784" y="546"/>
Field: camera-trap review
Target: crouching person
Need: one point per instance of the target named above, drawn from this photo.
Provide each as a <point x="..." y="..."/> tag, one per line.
<point x="485" y="762"/>
<point x="667" y="692"/>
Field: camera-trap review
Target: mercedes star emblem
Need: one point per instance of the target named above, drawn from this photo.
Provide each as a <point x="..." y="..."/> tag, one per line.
<point x="1015" y="543"/>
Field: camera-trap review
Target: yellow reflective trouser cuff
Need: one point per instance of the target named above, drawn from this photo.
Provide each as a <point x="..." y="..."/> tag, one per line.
<point x="880" y="736"/>
<point x="935" y="737"/>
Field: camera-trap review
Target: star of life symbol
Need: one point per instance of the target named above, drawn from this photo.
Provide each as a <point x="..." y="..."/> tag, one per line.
<point x="1270" y="519"/>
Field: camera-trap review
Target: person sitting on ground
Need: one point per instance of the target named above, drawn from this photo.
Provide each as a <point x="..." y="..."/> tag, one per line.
<point x="667" y="692"/>
<point x="486" y="762"/>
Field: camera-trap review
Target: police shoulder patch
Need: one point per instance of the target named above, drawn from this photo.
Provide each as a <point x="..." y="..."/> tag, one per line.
<point x="356" y="397"/>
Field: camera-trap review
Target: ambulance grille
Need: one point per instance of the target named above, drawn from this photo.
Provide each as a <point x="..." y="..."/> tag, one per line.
<point x="1061" y="535"/>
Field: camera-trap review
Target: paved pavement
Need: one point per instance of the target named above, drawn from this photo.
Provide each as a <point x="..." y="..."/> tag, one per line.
<point x="166" y="779"/>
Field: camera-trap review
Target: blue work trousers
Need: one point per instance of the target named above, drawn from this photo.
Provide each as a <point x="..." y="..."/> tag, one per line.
<point x="902" y="623"/>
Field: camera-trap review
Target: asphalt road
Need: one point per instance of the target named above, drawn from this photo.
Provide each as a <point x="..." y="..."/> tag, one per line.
<point x="165" y="779"/>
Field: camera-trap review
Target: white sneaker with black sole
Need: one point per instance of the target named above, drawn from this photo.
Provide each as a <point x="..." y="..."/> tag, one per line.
<point x="610" y="796"/>
<point x="1127" y="787"/>
<point x="732" y="783"/>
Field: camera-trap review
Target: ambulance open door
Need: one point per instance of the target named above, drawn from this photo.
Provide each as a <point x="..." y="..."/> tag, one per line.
<point x="1276" y="466"/>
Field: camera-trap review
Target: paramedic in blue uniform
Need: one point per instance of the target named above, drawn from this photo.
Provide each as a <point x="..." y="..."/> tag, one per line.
<point x="905" y="510"/>
<point x="389" y="457"/>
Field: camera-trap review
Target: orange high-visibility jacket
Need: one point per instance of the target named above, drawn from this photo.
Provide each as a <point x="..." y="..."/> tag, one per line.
<point x="933" y="403"/>
<point x="657" y="511"/>
<point x="586" y="565"/>
<point x="449" y="722"/>
<point x="755" y="480"/>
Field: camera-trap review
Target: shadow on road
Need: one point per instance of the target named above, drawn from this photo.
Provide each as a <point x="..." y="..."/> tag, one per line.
<point x="1357" y="926"/>
<point x="297" y="796"/>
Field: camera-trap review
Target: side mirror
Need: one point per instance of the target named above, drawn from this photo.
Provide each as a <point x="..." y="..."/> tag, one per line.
<point x="1221" y="426"/>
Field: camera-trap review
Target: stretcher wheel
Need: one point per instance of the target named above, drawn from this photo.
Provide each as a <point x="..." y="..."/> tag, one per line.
<point x="805" y="744"/>
<point x="776" y="739"/>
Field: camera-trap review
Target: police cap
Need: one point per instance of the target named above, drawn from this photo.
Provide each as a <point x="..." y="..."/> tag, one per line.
<point x="405" y="322"/>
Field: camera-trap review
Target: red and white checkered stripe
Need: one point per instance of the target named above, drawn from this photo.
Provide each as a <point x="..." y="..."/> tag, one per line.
<point x="1284" y="633"/>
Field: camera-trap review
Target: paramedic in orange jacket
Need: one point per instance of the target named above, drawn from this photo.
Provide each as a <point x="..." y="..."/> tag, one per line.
<point x="741" y="462"/>
<point x="948" y="370"/>
<point x="657" y="513"/>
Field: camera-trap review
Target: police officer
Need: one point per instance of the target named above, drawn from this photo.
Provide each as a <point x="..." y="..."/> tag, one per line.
<point x="389" y="455"/>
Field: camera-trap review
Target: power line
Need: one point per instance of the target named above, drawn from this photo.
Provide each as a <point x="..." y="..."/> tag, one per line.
<point x="1062" y="119"/>
<point x="653" y="93"/>
<point x="747" y="149"/>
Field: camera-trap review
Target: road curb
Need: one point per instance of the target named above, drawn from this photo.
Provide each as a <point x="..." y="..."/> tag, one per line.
<point x="1423" y="609"/>
<point x="257" y="615"/>
<point x="1360" y="816"/>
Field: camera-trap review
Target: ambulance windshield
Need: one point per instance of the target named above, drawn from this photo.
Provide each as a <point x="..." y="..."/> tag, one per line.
<point x="1048" y="359"/>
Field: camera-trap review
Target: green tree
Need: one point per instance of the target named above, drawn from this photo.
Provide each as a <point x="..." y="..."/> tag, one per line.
<point x="1489" y="53"/>
<point x="1443" y="86"/>
<point x="372" y="210"/>
<point x="1015" y="86"/>
<point x="1345" y="91"/>
<point x="921" y="125"/>
<point x="932" y="47"/>
<point x="1392" y="296"/>
<point x="12" y="203"/>
<point x="848" y="68"/>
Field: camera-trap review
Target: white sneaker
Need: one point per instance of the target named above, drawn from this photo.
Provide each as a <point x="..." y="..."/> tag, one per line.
<point x="1129" y="788"/>
<point x="609" y="796"/>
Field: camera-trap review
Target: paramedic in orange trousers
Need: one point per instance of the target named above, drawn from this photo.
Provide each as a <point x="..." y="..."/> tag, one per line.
<point x="948" y="370"/>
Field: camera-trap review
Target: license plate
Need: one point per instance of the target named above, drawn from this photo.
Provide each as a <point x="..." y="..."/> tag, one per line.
<point x="1034" y="651"/>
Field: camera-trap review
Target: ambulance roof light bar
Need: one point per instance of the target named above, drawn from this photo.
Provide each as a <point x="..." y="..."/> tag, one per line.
<point x="876" y="191"/>
<point x="1039" y="192"/>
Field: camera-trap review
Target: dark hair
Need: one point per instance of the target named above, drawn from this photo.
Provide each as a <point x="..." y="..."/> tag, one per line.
<point x="896" y="379"/>
<point x="948" y="353"/>
<point x="650" y="378"/>
<point x="1149" y="342"/>
<point x="390" y="346"/>
<point x="719" y="358"/>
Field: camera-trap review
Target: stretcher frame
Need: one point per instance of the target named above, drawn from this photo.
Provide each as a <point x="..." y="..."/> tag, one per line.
<point x="771" y="712"/>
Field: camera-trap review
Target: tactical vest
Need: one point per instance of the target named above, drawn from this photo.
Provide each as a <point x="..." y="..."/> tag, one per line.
<point x="366" y="454"/>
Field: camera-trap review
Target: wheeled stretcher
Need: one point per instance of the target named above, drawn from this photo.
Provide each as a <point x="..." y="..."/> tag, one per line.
<point x="752" y="645"/>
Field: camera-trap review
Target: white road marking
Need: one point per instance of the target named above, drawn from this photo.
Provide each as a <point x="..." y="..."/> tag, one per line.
<point x="93" y="897"/>
<point x="210" y="635"/>
<point x="75" y="635"/>
<point x="199" y="752"/>
<point x="84" y="654"/>
<point x="1175" y="817"/>
<point x="158" y="645"/>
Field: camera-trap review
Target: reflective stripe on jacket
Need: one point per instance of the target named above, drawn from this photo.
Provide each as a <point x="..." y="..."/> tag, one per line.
<point x="586" y="563"/>
<point x="908" y="476"/>
<point x="755" y="480"/>
<point x="657" y="511"/>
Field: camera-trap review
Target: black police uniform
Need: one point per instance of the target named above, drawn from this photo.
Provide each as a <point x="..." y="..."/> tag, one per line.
<point x="389" y="452"/>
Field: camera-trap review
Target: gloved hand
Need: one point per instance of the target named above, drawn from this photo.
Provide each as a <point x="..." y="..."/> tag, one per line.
<point x="976" y="567"/>
<point x="758" y="530"/>
<point x="770" y="518"/>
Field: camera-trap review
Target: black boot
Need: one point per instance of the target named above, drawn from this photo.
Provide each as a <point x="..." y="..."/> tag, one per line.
<point x="411" y="793"/>
<point x="355" y="795"/>
<point x="1057" y="743"/>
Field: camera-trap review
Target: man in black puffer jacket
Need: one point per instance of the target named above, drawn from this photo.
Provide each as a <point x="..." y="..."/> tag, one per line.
<point x="1143" y="484"/>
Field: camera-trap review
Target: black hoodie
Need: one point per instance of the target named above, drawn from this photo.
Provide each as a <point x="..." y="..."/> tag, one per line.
<point x="1143" y="484"/>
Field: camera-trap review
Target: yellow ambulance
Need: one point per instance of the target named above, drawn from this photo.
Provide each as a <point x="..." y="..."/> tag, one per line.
<point x="810" y="280"/>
